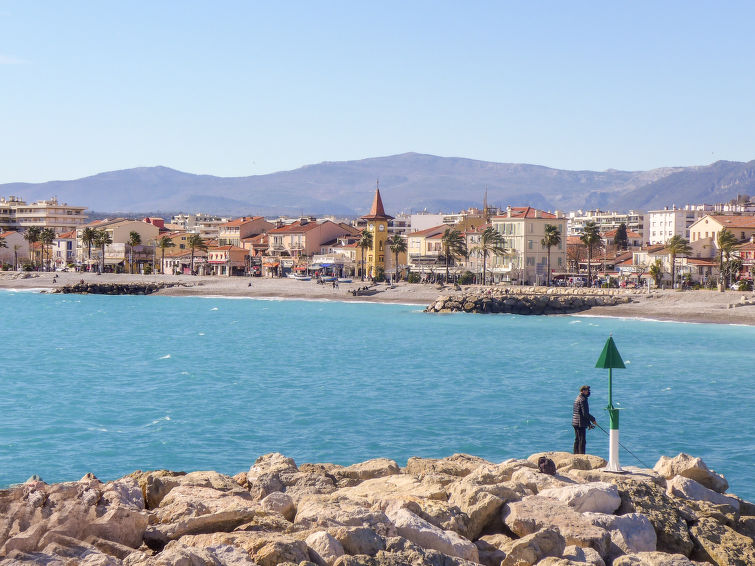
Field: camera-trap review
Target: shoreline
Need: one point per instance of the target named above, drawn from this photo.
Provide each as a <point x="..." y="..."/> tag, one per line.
<point x="703" y="307"/>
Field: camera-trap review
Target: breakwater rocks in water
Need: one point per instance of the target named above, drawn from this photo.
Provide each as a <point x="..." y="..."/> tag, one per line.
<point x="456" y="511"/>
<point x="83" y="288"/>
<point x="529" y="300"/>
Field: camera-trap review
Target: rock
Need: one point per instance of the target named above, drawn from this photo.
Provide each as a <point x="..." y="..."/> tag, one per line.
<point x="567" y="461"/>
<point x="532" y="548"/>
<point x="489" y="555"/>
<point x="177" y="554"/>
<point x="632" y="474"/>
<point x="629" y="533"/>
<point x="692" y="468"/>
<point x="680" y="486"/>
<point x="458" y="465"/>
<point x="326" y="546"/>
<point x="534" y="513"/>
<point x="721" y="545"/>
<point x="281" y="503"/>
<point x="359" y="540"/>
<point x="536" y="481"/>
<point x="651" y="500"/>
<point x="426" y="535"/>
<point x="583" y="555"/>
<point x="156" y="484"/>
<point x="268" y="473"/>
<point x="265" y="549"/>
<point x="376" y="468"/>
<point x="655" y="559"/>
<point x="597" y="497"/>
<point x="338" y="510"/>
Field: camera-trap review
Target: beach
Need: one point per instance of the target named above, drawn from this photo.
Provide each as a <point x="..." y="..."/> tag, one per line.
<point x="731" y="307"/>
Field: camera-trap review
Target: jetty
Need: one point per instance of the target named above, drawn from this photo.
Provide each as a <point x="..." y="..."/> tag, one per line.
<point x="455" y="511"/>
<point x="531" y="300"/>
<point x="90" y="288"/>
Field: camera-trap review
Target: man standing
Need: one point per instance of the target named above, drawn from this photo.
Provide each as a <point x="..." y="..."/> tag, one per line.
<point x="582" y="419"/>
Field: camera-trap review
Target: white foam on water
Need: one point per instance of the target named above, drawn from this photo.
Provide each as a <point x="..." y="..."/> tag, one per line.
<point x="165" y="357"/>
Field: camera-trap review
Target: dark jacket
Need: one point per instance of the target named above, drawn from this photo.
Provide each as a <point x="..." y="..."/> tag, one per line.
<point x="581" y="416"/>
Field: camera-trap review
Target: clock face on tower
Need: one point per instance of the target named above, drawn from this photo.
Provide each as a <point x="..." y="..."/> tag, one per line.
<point x="381" y="227"/>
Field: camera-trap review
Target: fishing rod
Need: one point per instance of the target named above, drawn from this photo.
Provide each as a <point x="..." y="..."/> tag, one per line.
<point x="624" y="447"/>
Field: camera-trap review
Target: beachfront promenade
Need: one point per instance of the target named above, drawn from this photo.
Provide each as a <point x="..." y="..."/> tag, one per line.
<point x="731" y="307"/>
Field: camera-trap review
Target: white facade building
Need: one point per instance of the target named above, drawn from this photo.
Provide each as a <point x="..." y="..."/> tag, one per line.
<point x="607" y="221"/>
<point x="661" y="225"/>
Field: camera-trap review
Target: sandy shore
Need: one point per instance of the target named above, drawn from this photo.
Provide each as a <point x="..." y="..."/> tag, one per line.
<point x="688" y="306"/>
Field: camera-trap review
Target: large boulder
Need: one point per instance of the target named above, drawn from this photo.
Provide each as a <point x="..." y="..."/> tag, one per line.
<point x="536" y="481"/>
<point x="359" y="540"/>
<point x="680" y="486"/>
<point x="655" y="559"/>
<point x="596" y="497"/>
<point x="531" y="549"/>
<point x="281" y="503"/>
<point x="269" y="474"/>
<point x="326" y="546"/>
<point x="567" y="461"/>
<point x="265" y="549"/>
<point x="535" y="513"/>
<point x="156" y="484"/>
<point x="32" y="515"/>
<point x="583" y="555"/>
<point x="692" y="468"/>
<point x="458" y="465"/>
<point x="375" y="468"/>
<point x="651" y="500"/>
<point x="178" y="554"/>
<point x="338" y="510"/>
<point x="426" y="535"/>
<point x="629" y="533"/>
<point x="721" y="545"/>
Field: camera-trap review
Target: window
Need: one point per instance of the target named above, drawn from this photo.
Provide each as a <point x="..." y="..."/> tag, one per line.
<point x="529" y="244"/>
<point x="560" y="262"/>
<point x="530" y="261"/>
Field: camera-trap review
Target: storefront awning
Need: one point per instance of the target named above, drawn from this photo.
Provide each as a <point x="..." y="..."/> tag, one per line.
<point x="270" y="264"/>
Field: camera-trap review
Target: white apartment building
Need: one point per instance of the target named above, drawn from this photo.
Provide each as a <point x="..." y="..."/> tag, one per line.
<point x="206" y="225"/>
<point x="607" y="221"/>
<point x="661" y="225"/>
<point x="523" y="229"/>
<point x="17" y="214"/>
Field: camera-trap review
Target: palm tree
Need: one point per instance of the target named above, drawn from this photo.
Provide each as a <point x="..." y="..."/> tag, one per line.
<point x="454" y="246"/>
<point x="397" y="243"/>
<point x="195" y="242"/>
<point x="365" y="241"/>
<point x="491" y="242"/>
<point x="163" y="243"/>
<point x="101" y="239"/>
<point x="47" y="237"/>
<point x="134" y="239"/>
<point x="552" y="238"/>
<point x="726" y="242"/>
<point x="591" y="238"/>
<point x="32" y="236"/>
<point x="656" y="272"/>
<point x="87" y="238"/>
<point x="676" y="246"/>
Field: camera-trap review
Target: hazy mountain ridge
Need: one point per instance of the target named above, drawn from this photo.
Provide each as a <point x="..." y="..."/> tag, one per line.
<point x="409" y="181"/>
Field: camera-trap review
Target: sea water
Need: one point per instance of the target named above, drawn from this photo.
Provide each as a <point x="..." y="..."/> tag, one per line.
<point x="111" y="384"/>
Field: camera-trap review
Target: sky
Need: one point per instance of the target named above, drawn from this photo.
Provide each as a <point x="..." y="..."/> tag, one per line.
<point x="237" y="88"/>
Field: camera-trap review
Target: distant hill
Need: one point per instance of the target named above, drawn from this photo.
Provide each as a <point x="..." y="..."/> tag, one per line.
<point x="408" y="182"/>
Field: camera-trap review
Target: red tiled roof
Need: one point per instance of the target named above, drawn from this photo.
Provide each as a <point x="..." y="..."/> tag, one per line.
<point x="429" y="231"/>
<point x="735" y="221"/>
<point x="377" y="212"/>
<point x="527" y="212"/>
<point x="226" y="248"/>
<point x="573" y="241"/>
<point x="295" y="228"/>
<point x="242" y="220"/>
<point x="68" y="235"/>
<point x="630" y="234"/>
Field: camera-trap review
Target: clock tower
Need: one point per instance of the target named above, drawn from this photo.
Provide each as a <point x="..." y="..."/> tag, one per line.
<point x="377" y="224"/>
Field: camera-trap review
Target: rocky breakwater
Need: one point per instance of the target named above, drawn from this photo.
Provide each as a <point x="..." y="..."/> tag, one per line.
<point x="84" y="288"/>
<point x="456" y="511"/>
<point x="529" y="300"/>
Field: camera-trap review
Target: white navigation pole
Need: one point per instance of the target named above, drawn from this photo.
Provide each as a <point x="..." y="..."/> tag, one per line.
<point x="609" y="359"/>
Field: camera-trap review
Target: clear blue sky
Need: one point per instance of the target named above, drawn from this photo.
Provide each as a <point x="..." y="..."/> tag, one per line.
<point x="235" y="88"/>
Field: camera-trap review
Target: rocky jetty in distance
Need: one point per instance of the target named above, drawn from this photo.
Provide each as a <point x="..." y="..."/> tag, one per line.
<point x="84" y="288"/>
<point x="531" y="300"/>
<point x="456" y="511"/>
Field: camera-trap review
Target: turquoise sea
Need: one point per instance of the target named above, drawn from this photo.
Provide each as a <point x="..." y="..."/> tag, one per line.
<point x="113" y="384"/>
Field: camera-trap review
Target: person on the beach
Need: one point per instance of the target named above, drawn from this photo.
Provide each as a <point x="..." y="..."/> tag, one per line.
<point x="582" y="419"/>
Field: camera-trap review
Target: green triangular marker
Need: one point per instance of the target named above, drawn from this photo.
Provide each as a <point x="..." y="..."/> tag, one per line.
<point x="610" y="357"/>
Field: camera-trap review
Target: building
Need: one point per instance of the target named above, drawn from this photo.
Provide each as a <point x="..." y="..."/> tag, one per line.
<point x="634" y="240"/>
<point x="16" y="250"/>
<point x="17" y="214"/>
<point x="234" y="232"/>
<point x="303" y="238"/>
<point x="526" y="261"/>
<point x="227" y="260"/>
<point x="118" y="253"/>
<point x="206" y="225"/>
<point x="606" y="221"/>
<point x="64" y="250"/>
<point x="377" y="225"/>
<point x="424" y="248"/>
<point x="742" y="227"/>
<point x="662" y="225"/>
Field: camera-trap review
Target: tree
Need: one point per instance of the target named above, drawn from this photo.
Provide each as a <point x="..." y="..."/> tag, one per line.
<point x="32" y="236"/>
<point x="676" y="246"/>
<point x="454" y="246"/>
<point x="552" y="238"/>
<point x="397" y="243"/>
<point x="725" y="241"/>
<point x="195" y="242"/>
<point x="621" y="240"/>
<point x="101" y="239"/>
<point x="163" y="243"/>
<point x="656" y="272"/>
<point x="591" y="238"/>
<point x="47" y="237"/>
<point x="134" y="239"/>
<point x="491" y="242"/>
<point x="87" y="238"/>
<point x="365" y="242"/>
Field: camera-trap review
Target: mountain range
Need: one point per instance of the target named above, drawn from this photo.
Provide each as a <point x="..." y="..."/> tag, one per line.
<point x="409" y="182"/>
